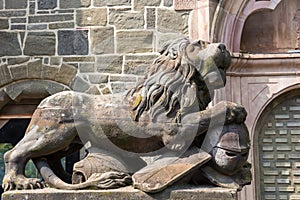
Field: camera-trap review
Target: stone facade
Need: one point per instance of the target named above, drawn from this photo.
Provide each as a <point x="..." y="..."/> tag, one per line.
<point x="109" y="43"/>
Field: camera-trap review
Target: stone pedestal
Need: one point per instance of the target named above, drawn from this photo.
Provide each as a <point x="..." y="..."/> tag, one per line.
<point x="176" y="192"/>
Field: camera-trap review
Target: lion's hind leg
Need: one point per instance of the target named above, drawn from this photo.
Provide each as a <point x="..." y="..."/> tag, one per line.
<point x="39" y="141"/>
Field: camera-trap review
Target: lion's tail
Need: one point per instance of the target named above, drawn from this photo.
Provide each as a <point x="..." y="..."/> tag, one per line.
<point x="108" y="180"/>
<point x="53" y="180"/>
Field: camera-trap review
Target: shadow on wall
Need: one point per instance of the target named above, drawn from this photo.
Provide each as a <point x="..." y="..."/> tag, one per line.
<point x="266" y="36"/>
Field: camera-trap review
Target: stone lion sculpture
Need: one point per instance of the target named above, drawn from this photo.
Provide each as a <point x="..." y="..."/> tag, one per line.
<point x="165" y="115"/>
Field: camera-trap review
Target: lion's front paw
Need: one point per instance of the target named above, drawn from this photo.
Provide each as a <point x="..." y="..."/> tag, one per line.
<point x="238" y="113"/>
<point x="20" y="182"/>
<point x="235" y="113"/>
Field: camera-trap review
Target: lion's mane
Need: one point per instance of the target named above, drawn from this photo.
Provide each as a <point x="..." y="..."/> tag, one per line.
<point x="172" y="85"/>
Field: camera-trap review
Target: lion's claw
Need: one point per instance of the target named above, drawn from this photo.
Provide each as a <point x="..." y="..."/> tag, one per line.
<point x="234" y="113"/>
<point x="22" y="183"/>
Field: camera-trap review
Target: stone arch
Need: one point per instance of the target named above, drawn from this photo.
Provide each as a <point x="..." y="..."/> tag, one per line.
<point x="230" y="17"/>
<point x="24" y="82"/>
<point x="61" y="77"/>
<point x="23" y="85"/>
<point x="260" y="141"/>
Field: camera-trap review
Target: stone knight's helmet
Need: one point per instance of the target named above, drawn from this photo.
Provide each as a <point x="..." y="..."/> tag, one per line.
<point x="231" y="151"/>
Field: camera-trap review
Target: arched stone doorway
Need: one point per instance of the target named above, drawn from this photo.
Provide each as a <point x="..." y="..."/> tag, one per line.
<point x="21" y="90"/>
<point x="277" y="149"/>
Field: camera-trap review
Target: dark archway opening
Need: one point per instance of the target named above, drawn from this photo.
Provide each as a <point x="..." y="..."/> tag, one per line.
<point x="14" y="119"/>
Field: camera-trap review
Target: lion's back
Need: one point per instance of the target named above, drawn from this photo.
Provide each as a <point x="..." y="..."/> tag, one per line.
<point x="59" y="100"/>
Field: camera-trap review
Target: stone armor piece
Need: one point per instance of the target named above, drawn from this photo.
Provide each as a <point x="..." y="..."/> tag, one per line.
<point x="231" y="151"/>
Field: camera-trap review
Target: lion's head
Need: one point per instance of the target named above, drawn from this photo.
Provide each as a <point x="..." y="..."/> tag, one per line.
<point x="186" y="73"/>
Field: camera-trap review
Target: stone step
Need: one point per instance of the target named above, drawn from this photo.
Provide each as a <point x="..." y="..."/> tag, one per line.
<point x="176" y="192"/>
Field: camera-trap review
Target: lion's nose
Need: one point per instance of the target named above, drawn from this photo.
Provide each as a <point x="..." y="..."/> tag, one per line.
<point x="222" y="47"/>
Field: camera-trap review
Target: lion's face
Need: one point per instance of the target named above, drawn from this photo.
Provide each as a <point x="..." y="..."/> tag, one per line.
<point x="211" y="62"/>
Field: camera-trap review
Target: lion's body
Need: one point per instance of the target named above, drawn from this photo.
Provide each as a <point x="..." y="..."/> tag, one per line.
<point x="96" y="118"/>
<point x="167" y="109"/>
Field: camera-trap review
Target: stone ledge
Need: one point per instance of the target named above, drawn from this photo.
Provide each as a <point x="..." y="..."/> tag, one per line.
<point x="176" y="192"/>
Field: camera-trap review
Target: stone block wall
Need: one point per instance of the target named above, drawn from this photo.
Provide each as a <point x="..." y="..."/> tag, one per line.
<point x="96" y="46"/>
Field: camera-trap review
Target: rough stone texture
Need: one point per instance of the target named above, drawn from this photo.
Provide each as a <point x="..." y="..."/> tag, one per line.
<point x="32" y="8"/>
<point x="50" y="18"/>
<point x="93" y="90"/>
<point x="12" y="13"/>
<point x="40" y="43"/>
<point x="168" y="3"/>
<point x="100" y="3"/>
<point x="205" y="193"/>
<point x="49" y="72"/>
<point x="61" y="25"/>
<point x="138" y="65"/>
<point x="5" y="76"/>
<point x="86" y="67"/>
<point x="19" y="72"/>
<point x="140" y="4"/>
<point x="54" y="87"/>
<point x="79" y="59"/>
<point x="134" y="41"/>
<point x="9" y="44"/>
<point x="36" y="26"/>
<point x="102" y="40"/>
<point x="18" y="27"/>
<point x="74" y="3"/>
<point x="151" y="18"/>
<point x="171" y="21"/>
<point x="18" y="20"/>
<point x="66" y="74"/>
<point x="79" y="84"/>
<point x="117" y="87"/>
<point x="35" y="69"/>
<point x="15" y="4"/>
<point x="73" y="42"/>
<point x="104" y="89"/>
<point x="19" y="60"/>
<point x="47" y="4"/>
<point x="4" y="23"/>
<point x="91" y="17"/>
<point x="55" y="61"/>
<point x="126" y="19"/>
<point x="122" y="78"/>
<point x="109" y="64"/>
<point x="184" y="4"/>
<point x="98" y="78"/>
<point x="194" y="193"/>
